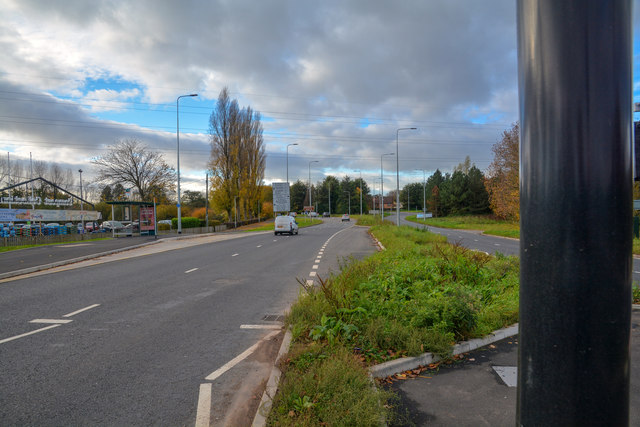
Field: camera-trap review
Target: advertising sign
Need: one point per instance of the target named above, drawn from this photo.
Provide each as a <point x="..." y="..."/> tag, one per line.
<point x="47" y="215"/>
<point x="281" y="201"/>
<point x="147" y="219"/>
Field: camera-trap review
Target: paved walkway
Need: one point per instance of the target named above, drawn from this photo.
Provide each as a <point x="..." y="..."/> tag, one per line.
<point x="480" y="390"/>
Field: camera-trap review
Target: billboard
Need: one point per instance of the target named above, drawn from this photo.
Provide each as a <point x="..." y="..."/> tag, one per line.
<point x="281" y="201"/>
<point x="15" y="215"/>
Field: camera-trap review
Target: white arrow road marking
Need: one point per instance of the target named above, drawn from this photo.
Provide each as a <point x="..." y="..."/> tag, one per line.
<point x="203" y="414"/>
<point x="81" y="310"/>
<point x="54" y="321"/>
<point x="239" y="358"/>
<point x="28" y="333"/>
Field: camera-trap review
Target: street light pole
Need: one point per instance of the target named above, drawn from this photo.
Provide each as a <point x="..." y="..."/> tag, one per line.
<point x="312" y="161"/>
<point x="81" y="203"/>
<point x="398" y="176"/>
<point x="288" y="145"/>
<point x="382" y="186"/>
<point x="178" y="156"/>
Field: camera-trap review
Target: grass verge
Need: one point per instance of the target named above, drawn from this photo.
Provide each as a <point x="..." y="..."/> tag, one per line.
<point x="14" y="248"/>
<point x="420" y="294"/>
<point x="483" y="223"/>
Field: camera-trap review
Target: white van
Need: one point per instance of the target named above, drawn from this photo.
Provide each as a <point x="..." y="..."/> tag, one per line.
<point x="285" y="224"/>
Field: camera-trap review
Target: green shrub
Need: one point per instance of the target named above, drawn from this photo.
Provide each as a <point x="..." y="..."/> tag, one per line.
<point x="187" y="222"/>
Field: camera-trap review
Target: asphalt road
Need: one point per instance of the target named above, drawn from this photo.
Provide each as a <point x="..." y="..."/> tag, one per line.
<point x="133" y="337"/>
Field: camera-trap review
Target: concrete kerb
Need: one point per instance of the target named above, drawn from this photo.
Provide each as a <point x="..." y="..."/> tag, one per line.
<point x="91" y="256"/>
<point x="407" y="363"/>
<point x="260" y="419"/>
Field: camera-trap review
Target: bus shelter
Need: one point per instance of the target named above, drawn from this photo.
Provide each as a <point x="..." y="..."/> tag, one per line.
<point x="146" y="214"/>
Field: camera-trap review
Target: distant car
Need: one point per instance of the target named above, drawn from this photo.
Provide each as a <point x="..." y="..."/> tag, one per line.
<point x="285" y="224"/>
<point x="313" y="214"/>
<point x="346" y="217"/>
<point x="326" y="214"/>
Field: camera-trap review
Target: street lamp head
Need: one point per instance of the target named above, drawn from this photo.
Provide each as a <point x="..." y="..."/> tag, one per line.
<point x="80" y="170"/>
<point x="195" y="94"/>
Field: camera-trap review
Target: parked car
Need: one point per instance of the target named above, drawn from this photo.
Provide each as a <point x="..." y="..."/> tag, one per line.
<point x="165" y="221"/>
<point x="346" y="217"/>
<point x="109" y="226"/>
<point x="285" y="224"/>
<point x="326" y="214"/>
<point x="313" y="214"/>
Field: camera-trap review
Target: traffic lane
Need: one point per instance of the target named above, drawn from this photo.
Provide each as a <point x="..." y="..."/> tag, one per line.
<point x="40" y="255"/>
<point x="173" y="323"/>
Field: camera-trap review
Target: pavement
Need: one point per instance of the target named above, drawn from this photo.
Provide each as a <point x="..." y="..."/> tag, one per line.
<point x="480" y="389"/>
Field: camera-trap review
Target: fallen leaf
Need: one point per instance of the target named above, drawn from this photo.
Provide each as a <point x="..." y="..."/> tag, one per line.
<point x="492" y="346"/>
<point x="422" y="376"/>
<point x="401" y="376"/>
<point x="471" y="359"/>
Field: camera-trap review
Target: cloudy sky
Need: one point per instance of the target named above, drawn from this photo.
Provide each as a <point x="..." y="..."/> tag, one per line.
<point x="336" y="77"/>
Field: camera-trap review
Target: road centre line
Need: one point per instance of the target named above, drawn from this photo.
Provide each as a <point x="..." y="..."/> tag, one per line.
<point x="29" y="333"/>
<point x="52" y="321"/>
<point x="81" y="310"/>
<point x="315" y="266"/>
<point x="190" y="271"/>
<point x="312" y="274"/>
<point x="203" y="413"/>
<point x="239" y="358"/>
<point x="317" y="261"/>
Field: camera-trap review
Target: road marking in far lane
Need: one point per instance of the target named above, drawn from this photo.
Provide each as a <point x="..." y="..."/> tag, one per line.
<point x="315" y="267"/>
<point x="235" y="254"/>
<point x="312" y="274"/>
<point x="29" y="333"/>
<point x="190" y="271"/>
<point x="259" y="246"/>
<point x="81" y="310"/>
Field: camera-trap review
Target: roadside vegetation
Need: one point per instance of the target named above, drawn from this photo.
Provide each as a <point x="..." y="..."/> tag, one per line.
<point x="484" y="223"/>
<point x="419" y="295"/>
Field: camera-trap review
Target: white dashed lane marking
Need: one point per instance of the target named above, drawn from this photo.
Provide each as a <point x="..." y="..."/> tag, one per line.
<point x="235" y="254"/>
<point x="190" y="271"/>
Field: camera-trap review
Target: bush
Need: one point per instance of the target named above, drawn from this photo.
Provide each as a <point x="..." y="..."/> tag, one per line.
<point x="187" y="222"/>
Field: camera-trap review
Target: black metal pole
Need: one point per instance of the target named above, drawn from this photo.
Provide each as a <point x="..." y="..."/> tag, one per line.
<point x="576" y="212"/>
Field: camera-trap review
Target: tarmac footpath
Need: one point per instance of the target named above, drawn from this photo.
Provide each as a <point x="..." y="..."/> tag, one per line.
<point x="480" y="389"/>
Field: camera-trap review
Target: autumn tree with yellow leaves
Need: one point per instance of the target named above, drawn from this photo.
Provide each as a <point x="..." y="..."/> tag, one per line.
<point x="503" y="177"/>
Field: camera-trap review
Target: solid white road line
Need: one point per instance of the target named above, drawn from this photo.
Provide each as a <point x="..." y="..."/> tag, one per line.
<point x="260" y="326"/>
<point x="190" y="271"/>
<point x="239" y="358"/>
<point x="203" y="414"/>
<point x="54" y="321"/>
<point x="81" y="310"/>
<point x="28" y="333"/>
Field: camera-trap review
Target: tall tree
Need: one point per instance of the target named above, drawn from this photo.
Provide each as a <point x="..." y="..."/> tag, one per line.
<point x="131" y="164"/>
<point x="503" y="175"/>
<point x="237" y="156"/>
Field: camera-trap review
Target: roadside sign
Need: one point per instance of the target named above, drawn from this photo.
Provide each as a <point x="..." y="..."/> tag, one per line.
<point x="281" y="201"/>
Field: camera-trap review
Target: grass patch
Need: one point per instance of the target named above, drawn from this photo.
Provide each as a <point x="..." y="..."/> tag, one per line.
<point x="485" y="224"/>
<point x="14" y="248"/>
<point x="420" y="294"/>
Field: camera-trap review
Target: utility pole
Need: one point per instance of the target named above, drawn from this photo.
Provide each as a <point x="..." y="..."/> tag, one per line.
<point x="575" y="82"/>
